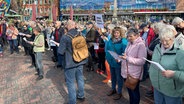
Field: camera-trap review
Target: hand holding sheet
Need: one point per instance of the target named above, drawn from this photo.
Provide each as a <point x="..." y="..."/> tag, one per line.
<point x="24" y="39"/>
<point x="115" y="55"/>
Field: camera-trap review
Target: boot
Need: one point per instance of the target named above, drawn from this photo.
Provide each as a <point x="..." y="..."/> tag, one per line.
<point x="117" y="96"/>
<point x="108" y="78"/>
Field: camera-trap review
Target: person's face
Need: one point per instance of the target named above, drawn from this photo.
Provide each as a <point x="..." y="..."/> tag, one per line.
<point x="25" y="27"/>
<point x="56" y="24"/>
<point x="145" y="29"/>
<point x="35" y="32"/>
<point x="180" y="25"/>
<point x="167" y="42"/>
<point x="155" y="30"/>
<point x="117" y="34"/>
<point x="89" y="26"/>
<point x="131" y="37"/>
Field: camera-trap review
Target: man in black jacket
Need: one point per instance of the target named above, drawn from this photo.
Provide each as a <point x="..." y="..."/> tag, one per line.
<point x="57" y="34"/>
<point x="90" y="39"/>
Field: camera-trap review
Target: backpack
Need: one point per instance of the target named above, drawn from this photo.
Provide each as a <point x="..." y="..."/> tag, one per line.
<point x="79" y="46"/>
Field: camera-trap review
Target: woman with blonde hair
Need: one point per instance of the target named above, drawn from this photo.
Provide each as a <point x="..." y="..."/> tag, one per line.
<point x="12" y="34"/>
<point x="117" y="44"/>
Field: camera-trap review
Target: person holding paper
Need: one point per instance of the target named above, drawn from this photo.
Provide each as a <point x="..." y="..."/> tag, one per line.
<point x="117" y="44"/>
<point x="168" y="84"/>
<point x="38" y="48"/>
<point x="133" y="62"/>
<point x="11" y="34"/>
<point x="26" y="46"/>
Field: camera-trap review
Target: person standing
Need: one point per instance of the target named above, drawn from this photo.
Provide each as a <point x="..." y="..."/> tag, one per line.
<point x="12" y="34"/>
<point x="57" y="34"/>
<point x="167" y="84"/>
<point x="147" y="35"/>
<point x="117" y="44"/>
<point x="90" y="39"/>
<point x="133" y="62"/>
<point x="73" y="71"/>
<point x="179" y="24"/>
<point x="38" y="49"/>
<point x="25" y="45"/>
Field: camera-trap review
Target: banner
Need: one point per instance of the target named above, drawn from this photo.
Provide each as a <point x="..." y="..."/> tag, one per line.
<point x="99" y="20"/>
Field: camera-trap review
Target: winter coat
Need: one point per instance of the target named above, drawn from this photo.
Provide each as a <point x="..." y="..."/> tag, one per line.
<point x="171" y="60"/>
<point x="135" y="53"/>
<point x="119" y="48"/>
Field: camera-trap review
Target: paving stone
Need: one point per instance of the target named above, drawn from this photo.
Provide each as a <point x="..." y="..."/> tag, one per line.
<point x="18" y="84"/>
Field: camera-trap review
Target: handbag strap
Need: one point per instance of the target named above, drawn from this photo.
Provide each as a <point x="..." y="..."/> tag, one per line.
<point x="127" y="69"/>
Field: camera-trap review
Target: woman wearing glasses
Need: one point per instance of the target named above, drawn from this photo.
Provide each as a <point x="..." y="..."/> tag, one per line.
<point x="169" y="84"/>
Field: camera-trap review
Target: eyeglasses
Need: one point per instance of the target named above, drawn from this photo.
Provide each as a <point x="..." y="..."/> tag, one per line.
<point x="165" y="40"/>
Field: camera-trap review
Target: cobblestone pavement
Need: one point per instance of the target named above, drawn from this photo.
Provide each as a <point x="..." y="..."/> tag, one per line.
<point x="18" y="84"/>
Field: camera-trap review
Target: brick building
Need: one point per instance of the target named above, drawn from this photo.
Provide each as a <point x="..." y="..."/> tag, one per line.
<point x="44" y="8"/>
<point x="180" y="5"/>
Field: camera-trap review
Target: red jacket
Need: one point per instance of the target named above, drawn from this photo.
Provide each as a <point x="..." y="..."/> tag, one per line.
<point x="151" y="35"/>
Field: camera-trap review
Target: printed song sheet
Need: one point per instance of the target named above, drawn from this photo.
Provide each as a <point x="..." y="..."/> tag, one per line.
<point x="115" y="55"/>
<point x="155" y="64"/>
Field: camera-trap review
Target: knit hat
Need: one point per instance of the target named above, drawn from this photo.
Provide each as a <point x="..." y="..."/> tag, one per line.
<point x="177" y="20"/>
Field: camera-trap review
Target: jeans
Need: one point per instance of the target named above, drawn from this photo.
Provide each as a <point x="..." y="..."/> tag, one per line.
<point x="160" y="98"/>
<point x="39" y="66"/>
<point x="145" y="71"/>
<point x="116" y="78"/>
<point x="134" y="95"/>
<point x="60" y="59"/>
<point x="72" y="75"/>
<point x="13" y="44"/>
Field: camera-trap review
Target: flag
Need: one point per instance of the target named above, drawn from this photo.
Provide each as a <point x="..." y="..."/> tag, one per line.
<point x="33" y="18"/>
<point x="71" y="13"/>
<point x="54" y="13"/>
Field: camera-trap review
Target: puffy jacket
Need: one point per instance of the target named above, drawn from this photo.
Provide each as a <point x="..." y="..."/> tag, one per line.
<point x="135" y="53"/>
<point x="171" y="60"/>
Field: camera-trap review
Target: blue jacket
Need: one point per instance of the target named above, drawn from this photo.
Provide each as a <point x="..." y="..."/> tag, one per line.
<point x="65" y="48"/>
<point x="119" y="48"/>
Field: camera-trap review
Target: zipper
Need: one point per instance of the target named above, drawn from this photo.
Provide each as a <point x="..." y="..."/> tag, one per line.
<point x="159" y="72"/>
<point x="174" y="84"/>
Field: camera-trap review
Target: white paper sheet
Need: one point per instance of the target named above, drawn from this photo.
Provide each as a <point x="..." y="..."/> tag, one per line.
<point x="96" y="46"/>
<point x="22" y="34"/>
<point x="115" y="55"/>
<point x="52" y="43"/>
<point x="24" y="39"/>
<point x="155" y="64"/>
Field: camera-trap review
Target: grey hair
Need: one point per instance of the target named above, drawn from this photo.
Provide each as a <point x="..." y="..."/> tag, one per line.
<point x="159" y="26"/>
<point x="166" y="33"/>
<point x="171" y="27"/>
<point x="133" y="31"/>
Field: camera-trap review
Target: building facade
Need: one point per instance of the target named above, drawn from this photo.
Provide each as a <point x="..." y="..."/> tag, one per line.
<point x="180" y="5"/>
<point x="122" y="4"/>
<point x="44" y="8"/>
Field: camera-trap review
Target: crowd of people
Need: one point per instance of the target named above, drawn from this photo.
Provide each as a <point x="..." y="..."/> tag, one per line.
<point x="132" y="42"/>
